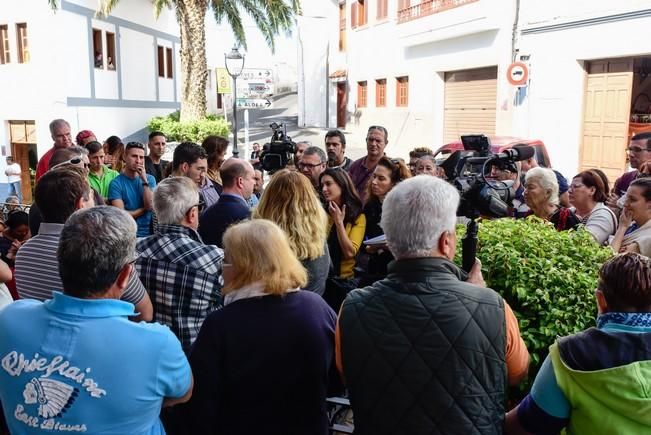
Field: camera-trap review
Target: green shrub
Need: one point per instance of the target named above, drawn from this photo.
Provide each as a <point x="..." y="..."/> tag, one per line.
<point x="548" y="277"/>
<point x="194" y="131"/>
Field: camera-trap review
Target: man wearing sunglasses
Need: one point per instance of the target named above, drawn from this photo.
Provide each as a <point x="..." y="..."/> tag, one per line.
<point x="132" y="190"/>
<point x="639" y="152"/>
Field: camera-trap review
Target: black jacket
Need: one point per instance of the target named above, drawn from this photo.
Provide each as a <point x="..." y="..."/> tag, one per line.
<point x="217" y="218"/>
<point x="423" y="352"/>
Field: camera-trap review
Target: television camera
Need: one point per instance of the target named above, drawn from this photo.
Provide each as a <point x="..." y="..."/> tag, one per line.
<point x="467" y="170"/>
<point x="279" y="150"/>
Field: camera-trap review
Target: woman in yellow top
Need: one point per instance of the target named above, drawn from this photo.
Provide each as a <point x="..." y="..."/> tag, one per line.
<point x="347" y="223"/>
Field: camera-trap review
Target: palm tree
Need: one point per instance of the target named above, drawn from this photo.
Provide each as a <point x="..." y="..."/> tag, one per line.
<point x="270" y="16"/>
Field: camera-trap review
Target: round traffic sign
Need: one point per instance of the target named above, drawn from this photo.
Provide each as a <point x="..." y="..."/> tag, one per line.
<point x="517" y="74"/>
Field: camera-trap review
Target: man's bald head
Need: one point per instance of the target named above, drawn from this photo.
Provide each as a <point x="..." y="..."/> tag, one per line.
<point x="233" y="168"/>
<point x="238" y="177"/>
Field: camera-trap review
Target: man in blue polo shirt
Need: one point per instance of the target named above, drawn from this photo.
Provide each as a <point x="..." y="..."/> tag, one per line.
<point x="132" y="189"/>
<point x="82" y="366"/>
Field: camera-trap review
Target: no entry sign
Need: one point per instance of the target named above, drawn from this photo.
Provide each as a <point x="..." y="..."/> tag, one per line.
<point x="517" y="74"/>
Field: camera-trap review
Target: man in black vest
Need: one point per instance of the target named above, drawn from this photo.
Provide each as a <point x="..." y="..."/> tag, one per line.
<point x="428" y="350"/>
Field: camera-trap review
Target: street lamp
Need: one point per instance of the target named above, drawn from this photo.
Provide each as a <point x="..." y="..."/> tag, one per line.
<point x="234" y="65"/>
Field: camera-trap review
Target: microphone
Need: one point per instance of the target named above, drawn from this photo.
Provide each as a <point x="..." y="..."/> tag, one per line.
<point x="516" y="154"/>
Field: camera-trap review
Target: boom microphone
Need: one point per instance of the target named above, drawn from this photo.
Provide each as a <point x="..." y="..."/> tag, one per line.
<point x="515" y="154"/>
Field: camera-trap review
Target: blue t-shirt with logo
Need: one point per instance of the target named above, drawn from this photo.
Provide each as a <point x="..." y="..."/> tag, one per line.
<point x="130" y="191"/>
<point x="72" y="365"/>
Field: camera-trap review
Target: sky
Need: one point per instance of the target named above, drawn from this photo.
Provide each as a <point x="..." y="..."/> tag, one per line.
<point x="219" y="40"/>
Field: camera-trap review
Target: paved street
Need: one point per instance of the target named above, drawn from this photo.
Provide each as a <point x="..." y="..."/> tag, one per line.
<point x="285" y="111"/>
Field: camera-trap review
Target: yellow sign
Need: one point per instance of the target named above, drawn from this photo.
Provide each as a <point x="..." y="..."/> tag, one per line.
<point x="223" y="81"/>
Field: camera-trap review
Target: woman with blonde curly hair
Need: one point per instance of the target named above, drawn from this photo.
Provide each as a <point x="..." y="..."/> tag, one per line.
<point x="289" y="200"/>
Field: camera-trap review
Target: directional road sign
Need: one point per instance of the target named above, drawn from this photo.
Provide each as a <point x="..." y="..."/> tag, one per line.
<point x="254" y="103"/>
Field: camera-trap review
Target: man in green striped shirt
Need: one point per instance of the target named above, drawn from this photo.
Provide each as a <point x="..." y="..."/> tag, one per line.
<point x="99" y="175"/>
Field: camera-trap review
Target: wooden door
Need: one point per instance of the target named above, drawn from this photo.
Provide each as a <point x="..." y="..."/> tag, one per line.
<point x="342" y="101"/>
<point x="606" y="115"/>
<point x="470" y="103"/>
<point x="23" y="135"/>
<point x="20" y="153"/>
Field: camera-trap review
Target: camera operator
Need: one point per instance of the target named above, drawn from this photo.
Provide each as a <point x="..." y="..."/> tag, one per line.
<point x="510" y="171"/>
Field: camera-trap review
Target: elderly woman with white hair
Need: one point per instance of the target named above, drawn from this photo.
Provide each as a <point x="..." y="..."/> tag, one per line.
<point x="541" y="195"/>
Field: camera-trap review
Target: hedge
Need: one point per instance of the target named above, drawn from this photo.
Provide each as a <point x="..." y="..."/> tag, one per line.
<point x="193" y="131"/>
<point x="548" y="278"/>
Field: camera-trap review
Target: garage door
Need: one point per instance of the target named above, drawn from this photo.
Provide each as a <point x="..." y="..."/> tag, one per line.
<point x="606" y="115"/>
<point x="470" y="100"/>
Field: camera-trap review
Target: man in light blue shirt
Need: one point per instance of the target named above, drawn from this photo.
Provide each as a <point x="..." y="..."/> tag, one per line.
<point x="132" y="190"/>
<point x="82" y="366"/>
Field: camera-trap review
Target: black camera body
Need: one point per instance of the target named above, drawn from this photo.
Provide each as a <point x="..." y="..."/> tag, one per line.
<point x="467" y="171"/>
<point x="279" y="151"/>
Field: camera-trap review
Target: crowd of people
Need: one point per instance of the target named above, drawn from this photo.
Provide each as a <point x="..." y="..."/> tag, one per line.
<point x="188" y="297"/>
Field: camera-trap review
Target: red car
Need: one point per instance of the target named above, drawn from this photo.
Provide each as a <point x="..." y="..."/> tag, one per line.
<point x="498" y="144"/>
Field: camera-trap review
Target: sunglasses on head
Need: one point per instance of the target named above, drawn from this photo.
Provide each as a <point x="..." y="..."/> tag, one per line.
<point x="75" y="161"/>
<point x="135" y="145"/>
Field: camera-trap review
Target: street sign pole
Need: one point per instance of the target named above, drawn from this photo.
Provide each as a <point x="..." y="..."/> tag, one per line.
<point x="246" y="132"/>
<point x="235" y="151"/>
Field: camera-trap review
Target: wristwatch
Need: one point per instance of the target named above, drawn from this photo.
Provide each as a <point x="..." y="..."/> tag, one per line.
<point x="145" y="184"/>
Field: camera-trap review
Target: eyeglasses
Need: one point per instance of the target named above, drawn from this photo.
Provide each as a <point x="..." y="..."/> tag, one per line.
<point x="200" y="205"/>
<point x="307" y="165"/>
<point x="73" y="161"/>
<point x="636" y="150"/>
<point x="576" y="186"/>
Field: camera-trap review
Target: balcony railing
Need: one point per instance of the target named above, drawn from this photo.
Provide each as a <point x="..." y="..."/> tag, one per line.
<point x="429" y="7"/>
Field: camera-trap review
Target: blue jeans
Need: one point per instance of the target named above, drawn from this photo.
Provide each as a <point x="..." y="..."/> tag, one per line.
<point x="14" y="189"/>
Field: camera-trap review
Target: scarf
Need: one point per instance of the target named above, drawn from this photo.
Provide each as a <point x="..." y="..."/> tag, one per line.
<point x="628" y="319"/>
<point x="253" y="290"/>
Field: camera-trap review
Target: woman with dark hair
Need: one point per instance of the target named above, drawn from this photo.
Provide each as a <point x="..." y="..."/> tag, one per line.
<point x="347" y="222"/>
<point x="114" y="152"/>
<point x="634" y="231"/>
<point x="215" y="147"/>
<point x="588" y="192"/>
<point x="386" y="175"/>
<point x="595" y="382"/>
<point x="16" y="233"/>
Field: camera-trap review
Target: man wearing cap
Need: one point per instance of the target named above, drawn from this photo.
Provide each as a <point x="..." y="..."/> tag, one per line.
<point x="84" y="137"/>
<point x="60" y="131"/>
<point x="132" y="189"/>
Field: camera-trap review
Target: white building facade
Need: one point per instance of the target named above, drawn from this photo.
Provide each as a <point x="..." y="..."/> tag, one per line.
<point x="106" y="74"/>
<point x="431" y="70"/>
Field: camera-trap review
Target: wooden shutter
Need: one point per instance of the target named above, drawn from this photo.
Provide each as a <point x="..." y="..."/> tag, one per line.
<point x="353" y="15"/>
<point x="470" y="102"/>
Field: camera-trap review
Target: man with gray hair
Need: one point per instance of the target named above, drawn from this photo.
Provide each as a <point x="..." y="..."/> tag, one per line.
<point x="60" y="131"/>
<point x="429" y="349"/>
<point x="312" y="164"/>
<point x="181" y="274"/>
<point x="81" y="365"/>
<point x="301" y="146"/>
